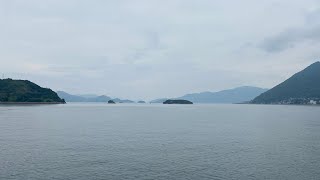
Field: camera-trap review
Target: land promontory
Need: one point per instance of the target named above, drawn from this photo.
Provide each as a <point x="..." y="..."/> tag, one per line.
<point x="24" y="91"/>
<point x="302" y="88"/>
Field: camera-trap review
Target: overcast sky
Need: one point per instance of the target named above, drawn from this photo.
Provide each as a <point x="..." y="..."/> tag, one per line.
<point x="145" y="49"/>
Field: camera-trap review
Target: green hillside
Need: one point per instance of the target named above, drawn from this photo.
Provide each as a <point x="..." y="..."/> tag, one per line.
<point x="23" y="91"/>
<point x="301" y="88"/>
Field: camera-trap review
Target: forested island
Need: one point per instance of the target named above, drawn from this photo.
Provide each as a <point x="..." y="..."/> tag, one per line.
<point x="24" y="91"/>
<point x="177" y="101"/>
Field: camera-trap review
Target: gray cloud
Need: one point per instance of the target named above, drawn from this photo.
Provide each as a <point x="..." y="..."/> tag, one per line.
<point x="292" y="37"/>
<point x="133" y="49"/>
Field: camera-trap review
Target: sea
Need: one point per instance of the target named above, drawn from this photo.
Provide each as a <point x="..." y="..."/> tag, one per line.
<point x="155" y="141"/>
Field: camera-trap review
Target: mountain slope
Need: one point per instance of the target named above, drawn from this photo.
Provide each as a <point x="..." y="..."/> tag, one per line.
<point x="236" y="95"/>
<point x="301" y="88"/>
<point x="23" y="91"/>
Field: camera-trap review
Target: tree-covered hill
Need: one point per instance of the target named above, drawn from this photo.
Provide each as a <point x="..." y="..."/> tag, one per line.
<point x="23" y="91"/>
<point x="301" y="88"/>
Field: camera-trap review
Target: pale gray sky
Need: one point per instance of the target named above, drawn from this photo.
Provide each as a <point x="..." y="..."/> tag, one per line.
<point x="145" y="49"/>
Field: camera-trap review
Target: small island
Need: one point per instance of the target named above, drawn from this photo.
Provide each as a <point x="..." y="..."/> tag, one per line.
<point x="177" y="101"/>
<point x="141" y="102"/>
<point x="111" y="102"/>
<point x="26" y="92"/>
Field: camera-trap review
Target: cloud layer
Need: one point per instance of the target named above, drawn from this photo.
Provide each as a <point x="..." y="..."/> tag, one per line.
<point x="145" y="49"/>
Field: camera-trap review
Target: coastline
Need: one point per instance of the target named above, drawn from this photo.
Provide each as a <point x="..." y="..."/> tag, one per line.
<point x="30" y="103"/>
<point x="310" y="105"/>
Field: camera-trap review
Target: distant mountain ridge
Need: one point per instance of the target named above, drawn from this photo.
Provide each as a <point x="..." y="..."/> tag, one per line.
<point x="236" y="95"/>
<point x="302" y="88"/>
<point x="160" y="100"/>
<point x="71" y="98"/>
<point x="24" y="91"/>
<point x="90" y="98"/>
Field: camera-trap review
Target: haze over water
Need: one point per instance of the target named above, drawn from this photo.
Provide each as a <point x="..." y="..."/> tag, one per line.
<point x="99" y="141"/>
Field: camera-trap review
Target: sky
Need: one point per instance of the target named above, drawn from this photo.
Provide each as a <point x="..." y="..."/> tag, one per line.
<point x="147" y="49"/>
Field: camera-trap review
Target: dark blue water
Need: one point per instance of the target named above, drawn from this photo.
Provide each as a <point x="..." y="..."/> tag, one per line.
<point x="97" y="141"/>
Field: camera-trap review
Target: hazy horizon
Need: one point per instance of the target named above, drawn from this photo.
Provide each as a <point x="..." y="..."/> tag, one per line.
<point x="153" y="49"/>
<point x="137" y="99"/>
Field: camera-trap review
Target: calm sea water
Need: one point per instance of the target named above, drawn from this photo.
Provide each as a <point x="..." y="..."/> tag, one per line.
<point x="97" y="141"/>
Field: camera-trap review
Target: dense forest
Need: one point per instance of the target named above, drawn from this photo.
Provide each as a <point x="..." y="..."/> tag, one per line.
<point x="26" y="92"/>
